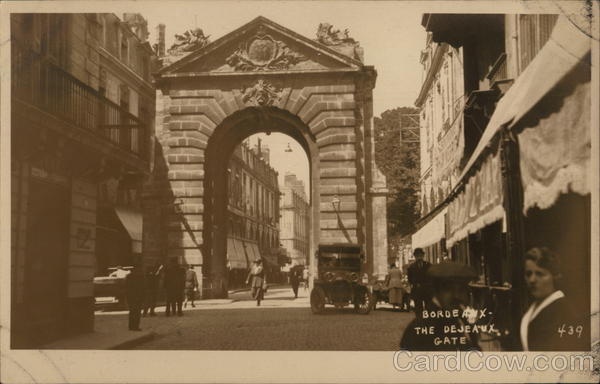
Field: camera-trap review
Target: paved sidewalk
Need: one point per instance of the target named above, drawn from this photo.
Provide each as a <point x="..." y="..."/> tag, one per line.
<point x="103" y="338"/>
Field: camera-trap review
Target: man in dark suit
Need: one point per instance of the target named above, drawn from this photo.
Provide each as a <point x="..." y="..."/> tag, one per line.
<point x="443" y="326"/>
<point x="174" y="287"/>
<point x="420" y="285"/>
<point x="152" y="278"/>
<point x="295" y="277"/>
<point x="135" y="285"/>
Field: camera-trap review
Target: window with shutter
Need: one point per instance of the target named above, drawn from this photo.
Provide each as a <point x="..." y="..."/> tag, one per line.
<point x="534" y="32"/>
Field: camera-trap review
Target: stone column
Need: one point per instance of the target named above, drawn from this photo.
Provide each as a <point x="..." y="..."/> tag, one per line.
<point x="376" y="207"/>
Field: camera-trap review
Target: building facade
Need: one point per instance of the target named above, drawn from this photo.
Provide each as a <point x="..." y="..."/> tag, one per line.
<point x="253" y="212"/>
<point x="295" y="220"/>
<point x="492" y="184"/>
<point x="82" y="115"/>
<point x="265" y="78"/>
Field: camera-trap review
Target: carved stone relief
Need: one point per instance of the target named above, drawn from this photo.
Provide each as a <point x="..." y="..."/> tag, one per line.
<point x="262" y="52"/>
<point x="262" y="93"/>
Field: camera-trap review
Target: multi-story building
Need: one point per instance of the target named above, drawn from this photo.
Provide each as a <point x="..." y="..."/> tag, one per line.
<point x="253" y="209"/>
<point x="494" y="178"/>
<point x="294" y="221"/>
<point x="82" y="117"/>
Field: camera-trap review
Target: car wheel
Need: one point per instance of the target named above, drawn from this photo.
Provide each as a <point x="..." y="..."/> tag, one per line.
<point x="317" y="300"/>
<point x="363" y="302"/>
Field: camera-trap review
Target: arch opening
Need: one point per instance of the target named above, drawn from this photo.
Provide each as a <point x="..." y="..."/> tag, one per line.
<point x="217" y="221"/>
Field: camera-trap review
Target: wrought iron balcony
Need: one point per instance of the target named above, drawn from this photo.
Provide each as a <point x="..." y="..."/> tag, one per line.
<point x="39" y="82"/>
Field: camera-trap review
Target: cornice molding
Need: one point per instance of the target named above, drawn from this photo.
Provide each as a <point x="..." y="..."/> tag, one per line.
<point x="436" y="63"/>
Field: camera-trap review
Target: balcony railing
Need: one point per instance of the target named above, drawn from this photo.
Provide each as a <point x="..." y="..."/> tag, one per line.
<point x="498" y="71"/>
<point x="39" y="82"/>
<point x="498" y="76"/>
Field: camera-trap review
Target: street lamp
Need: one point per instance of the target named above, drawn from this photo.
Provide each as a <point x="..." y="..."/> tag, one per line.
<point x="335" y="202"/>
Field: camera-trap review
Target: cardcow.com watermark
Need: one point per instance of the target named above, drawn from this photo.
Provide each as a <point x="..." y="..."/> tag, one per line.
<point x="476" y="361"/>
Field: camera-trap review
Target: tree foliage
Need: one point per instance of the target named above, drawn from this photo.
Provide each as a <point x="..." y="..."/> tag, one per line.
<point x="398" y="160"/>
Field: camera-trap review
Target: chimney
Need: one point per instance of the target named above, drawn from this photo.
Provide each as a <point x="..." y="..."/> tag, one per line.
<point x="160" y="32"/>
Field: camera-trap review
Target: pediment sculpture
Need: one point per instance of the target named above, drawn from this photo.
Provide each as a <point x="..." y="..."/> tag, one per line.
<point x="339" y="41"/>
<point x="191" y="40"/>
<point x="262" y="52"/>
<point x="262" y="93"/>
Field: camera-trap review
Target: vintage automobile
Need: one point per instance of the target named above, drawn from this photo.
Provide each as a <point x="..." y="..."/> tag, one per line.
<point x="380" y="293"/>
<point x="110" y="290"/>
<point x="341" y="279"/>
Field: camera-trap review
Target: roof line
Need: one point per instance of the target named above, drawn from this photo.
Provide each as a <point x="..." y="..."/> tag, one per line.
<point x="241" y="30"/>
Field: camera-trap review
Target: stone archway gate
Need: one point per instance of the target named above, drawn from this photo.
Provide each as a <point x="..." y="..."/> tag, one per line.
<point x="264" y="65"/>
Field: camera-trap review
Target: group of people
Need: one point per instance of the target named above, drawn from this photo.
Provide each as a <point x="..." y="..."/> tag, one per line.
<point x="441" y="296"/>
<point x="180" y="285"/>
<point x="402" y="287"/>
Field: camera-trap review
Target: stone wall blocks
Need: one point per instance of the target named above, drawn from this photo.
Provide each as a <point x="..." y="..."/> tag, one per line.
<point x="344" y="207"/>
<point x="184" y="184"/>
<point x="186" y="175"/>
<point x="185" y="159"/>
<point x="337" y="190"/>
<point x="338" y="236"/>
<point x="337" y="155"/>
<point x="338" y="164"/>
<point x="185" y="151"/>
<point x="188" y="192"/>
<point x="175" y="93"/>
<point x="333" y="130"/>
<point x="335" y="224"/>
<point x="336" y="139"/>
<point x="337" y="172"/>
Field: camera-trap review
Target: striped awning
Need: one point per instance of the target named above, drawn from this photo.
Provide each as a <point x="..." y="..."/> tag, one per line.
<point x="235" y="256"/>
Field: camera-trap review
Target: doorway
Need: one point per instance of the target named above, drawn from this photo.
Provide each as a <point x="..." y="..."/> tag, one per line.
<point x="47" y="252"/>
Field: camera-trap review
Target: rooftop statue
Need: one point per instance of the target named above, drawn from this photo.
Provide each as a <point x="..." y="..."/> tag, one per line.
<point x="190" y="41"/>
<point x="339" y="41"/>
<point x="328" y="36"/>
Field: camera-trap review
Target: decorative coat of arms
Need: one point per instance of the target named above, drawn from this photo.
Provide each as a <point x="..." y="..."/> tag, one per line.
<point x="263" y="93"/>
<point x="262" y="52"/>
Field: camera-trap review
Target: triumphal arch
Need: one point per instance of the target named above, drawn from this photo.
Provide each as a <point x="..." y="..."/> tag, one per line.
<point x="263" y="77"/>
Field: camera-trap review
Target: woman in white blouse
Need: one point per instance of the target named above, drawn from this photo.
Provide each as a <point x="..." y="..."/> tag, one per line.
<point x="549" y="324"/>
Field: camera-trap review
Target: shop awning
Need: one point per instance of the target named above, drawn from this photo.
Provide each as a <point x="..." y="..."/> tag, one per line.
<point x="563" y="51"/>
<point x="480" y="203"/>
<point x="252" y="251"/>
<point x="555" y="145"/>
<point x="432" y="232"/>
<point x="235" y="254"/>
<point x="132" y="221"/>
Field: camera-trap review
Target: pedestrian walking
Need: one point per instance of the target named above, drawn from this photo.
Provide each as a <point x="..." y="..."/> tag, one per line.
<point x="174" y="286"/>
<point x="135" y="285"/>
<point x="420" y="286"/>
<point x="551" y="323"/>
<point x="443" y="328"/>
<point x="152" y="279"/>
<point x="191" y="286"/>
<point x="393" y="282"/>
<point x="295" y="277"/>
<point x="259" y="281"/>
<point x="406" y="289"/>
<point x="305" y="277"/>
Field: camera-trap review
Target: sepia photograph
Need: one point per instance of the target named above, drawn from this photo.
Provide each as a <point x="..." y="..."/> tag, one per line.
<point x="299" y="191"/>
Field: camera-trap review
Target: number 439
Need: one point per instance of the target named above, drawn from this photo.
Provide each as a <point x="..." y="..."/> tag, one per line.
<point x="570" y="330"/>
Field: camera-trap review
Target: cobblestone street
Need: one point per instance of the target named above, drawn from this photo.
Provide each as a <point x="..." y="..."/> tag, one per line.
<point x="280" y="323"/>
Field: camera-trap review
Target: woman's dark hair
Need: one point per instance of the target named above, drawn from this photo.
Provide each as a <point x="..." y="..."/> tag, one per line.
<point x="393" y="265"/>
<point x="545" y="258"/>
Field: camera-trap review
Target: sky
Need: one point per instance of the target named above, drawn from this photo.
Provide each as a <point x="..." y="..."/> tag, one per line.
<point x="389" y="32"/>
